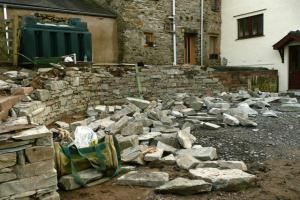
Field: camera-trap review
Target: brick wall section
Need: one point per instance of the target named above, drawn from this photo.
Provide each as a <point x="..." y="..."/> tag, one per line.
<point x="110" y="85"/>
<point x="264" y="80"/>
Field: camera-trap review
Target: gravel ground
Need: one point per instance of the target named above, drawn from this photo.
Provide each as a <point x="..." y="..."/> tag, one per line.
<point x="273" y="138"/>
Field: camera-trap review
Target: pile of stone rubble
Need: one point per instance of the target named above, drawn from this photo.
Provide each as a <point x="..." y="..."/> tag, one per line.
<point x="26" y="161"/>
<point x="160" y="132"/>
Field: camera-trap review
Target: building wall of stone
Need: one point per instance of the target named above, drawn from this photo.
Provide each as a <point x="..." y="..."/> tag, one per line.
<point x="110" y="85"/>
<point x="136" y="17"/>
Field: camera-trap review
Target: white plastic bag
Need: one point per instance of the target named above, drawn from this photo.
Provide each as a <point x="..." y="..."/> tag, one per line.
<point x="85" y="137"/>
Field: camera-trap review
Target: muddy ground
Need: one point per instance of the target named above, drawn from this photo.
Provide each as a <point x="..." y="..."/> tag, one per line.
<point x="271" y="150"/>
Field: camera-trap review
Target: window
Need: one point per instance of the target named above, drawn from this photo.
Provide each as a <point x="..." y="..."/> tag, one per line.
<point x="149" y="39"/>
<point x="251" y="27"/>
<point x="216" y="5"/>
<point x="213" y="47"/>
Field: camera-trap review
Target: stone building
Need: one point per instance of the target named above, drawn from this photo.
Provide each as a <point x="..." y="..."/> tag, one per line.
<point x="145" y="30"/>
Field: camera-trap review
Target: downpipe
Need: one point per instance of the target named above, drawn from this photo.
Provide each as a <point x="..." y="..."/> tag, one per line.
<point x="174" y="33"/>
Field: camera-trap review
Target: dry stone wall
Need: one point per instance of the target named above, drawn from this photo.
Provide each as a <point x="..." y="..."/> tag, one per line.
<point x="26" y="161"/>
<point x="110" y="85"/>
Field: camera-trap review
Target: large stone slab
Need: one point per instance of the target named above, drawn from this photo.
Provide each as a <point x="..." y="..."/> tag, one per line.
<point x="15" y="125"/>
<point x="106" y="122"/>
<point x="7" y="160"/>
<point x="232" y="165"/>
<point x="153" y="156"/>
<point x="165" y="147"/>
<point x="230" y="120"/>
<point x="142" y="104"/>
<point x="149" y="136"/>
<point x="203" y="154"/>
<point x="144" y="179"/>
<point x="15" y="149"/>
<point x="134" y="154"/>
<point x="227" y="179"/>
<point x="34" y="169"/>
<point x="12" y="144"/>
<point x="184" y="186"/>
<point x="127" y="142"/>
<point x="169" y="160"/>
<point x="87" y="176"/>
<point x="116" y="127"/>
<point x="5" y="177"/>
<point x="33" y="133"/>
<point x="186" y="161"/>
<point x="39" y="153"/>
<point x="132" y="128"/>
<point x="28" y="184"/>
<point x="185" y="138"/>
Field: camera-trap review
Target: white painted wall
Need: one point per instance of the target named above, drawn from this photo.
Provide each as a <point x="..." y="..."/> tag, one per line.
<point x="280" y="17"/>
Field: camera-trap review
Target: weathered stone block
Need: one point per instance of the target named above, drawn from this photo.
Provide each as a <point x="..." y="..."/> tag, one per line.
<point x="37" y="132"/>
<point x="7" y="160"/>
<point x="34" y="169"/>
<point x="228" y="179"/>
<point x="184" y="186"/>
<point x="39" y="153"/>
<point x="28" y="184"/>
<point x="145" y="179"/>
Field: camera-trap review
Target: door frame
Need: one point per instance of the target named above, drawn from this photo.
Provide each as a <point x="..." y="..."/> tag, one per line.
<point x="290" y="67"/>
<point x="190" y="48"/>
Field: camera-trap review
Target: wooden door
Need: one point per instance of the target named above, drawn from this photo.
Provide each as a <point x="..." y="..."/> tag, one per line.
<point x="294" y="67"/>
<point x="189" y="49"/>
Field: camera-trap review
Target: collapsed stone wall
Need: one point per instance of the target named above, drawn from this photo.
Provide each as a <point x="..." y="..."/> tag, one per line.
<point x="110" y="85"/>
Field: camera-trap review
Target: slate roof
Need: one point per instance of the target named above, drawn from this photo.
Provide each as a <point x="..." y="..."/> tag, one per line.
<point x="87" y="7"/>
<point x="291" y="36"/>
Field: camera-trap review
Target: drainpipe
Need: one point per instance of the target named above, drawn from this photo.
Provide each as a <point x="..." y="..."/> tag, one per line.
<point x="6" y="27"/>
<point x="202" y="32"/>
<point x="174" y="34"/>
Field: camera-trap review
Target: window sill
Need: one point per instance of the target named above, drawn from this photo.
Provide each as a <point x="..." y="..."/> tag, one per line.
<point x="252" y="37"/>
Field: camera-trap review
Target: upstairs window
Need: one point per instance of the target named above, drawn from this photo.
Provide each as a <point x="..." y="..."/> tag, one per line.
<point x="251" y="27"/>
<point x="216" y="5"/>
<point x="149" y="39"/>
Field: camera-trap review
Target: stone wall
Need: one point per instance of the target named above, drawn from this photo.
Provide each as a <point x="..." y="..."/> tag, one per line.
<point x="26" y="162"/>
<point x="110" y="85"/>
<point x="136" y="17"/>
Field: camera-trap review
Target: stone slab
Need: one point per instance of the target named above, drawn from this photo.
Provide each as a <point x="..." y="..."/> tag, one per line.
<point x="7" y="160"/>
<point x="34" y="169"/>
<point x="228" y="179"/>
<point x="68" y="182"/>
<point x="37" y="132"/>
<point x="28" y="184"/>
<point x="39" y="153"/>
<point x="144" y="179"/>
<point x="203" y="154"/>
<point x="184" y="186"/>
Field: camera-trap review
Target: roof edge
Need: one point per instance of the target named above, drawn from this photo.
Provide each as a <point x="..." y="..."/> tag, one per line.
<point x="293" y="35"/>
<point x="22" y="6"/>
